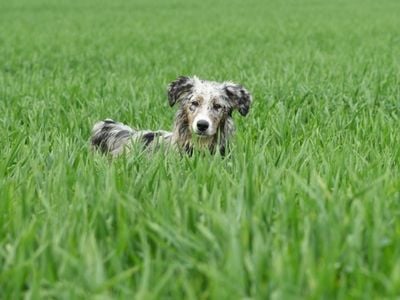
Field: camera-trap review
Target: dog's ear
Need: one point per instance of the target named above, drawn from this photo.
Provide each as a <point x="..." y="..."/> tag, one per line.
<point x="179" y="88"/>
<point x="239" y="97"/>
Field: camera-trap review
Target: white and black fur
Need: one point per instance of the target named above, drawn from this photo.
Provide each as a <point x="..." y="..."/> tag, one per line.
<point x="203" y="120"/>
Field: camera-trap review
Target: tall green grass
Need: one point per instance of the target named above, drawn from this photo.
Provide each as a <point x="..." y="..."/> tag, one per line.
<point x="307" y="207"/>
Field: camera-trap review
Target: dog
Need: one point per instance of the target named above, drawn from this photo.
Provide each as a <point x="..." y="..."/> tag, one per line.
<point x="203" y="120"/>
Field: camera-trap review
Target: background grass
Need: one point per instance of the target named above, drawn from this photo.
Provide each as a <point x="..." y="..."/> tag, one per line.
<point x="307" y="207"/>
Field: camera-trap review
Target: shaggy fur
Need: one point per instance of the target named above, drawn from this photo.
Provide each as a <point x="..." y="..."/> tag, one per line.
<point x="203" y="120"/>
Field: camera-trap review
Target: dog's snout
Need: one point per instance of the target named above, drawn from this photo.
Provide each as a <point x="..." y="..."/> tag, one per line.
<point x="202" y="125"/>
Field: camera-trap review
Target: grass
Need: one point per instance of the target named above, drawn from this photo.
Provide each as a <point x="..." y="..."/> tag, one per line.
<point x="308" y="207"/>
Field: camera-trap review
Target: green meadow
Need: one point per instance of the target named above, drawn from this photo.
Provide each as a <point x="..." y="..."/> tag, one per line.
<point x="307" y="206"/>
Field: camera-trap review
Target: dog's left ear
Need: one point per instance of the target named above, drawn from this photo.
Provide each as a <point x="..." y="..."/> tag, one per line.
<point x="239" y="96"/>
<point x="179" y="88"/>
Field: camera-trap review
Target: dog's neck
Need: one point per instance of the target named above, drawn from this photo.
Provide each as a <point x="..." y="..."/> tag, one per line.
<point x="184" y="139"/>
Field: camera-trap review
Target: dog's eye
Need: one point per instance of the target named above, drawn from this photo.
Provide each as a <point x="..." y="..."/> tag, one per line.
<point x="217" y="106"/>
<point x="193" y="105"/>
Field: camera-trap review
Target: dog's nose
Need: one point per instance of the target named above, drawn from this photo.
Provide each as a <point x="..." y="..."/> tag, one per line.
<point x="202" y="125"/>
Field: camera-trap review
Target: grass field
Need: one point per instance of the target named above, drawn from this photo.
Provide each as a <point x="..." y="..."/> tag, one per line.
<point x="308" y="207"/>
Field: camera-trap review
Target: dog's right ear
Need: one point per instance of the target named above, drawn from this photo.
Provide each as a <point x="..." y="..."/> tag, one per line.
<point x="179" y="88"/>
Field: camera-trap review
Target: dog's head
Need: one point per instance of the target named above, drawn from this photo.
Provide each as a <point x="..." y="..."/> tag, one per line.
<point x="208" y="104"/>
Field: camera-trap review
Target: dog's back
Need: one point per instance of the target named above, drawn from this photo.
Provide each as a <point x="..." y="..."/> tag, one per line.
<point x="114" y="138"/>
